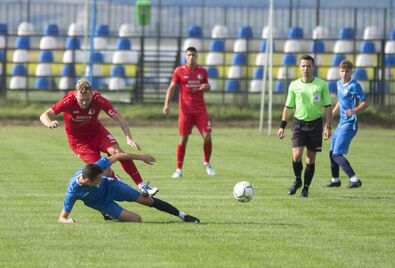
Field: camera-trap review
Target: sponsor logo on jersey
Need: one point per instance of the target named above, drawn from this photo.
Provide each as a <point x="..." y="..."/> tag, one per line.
<point x="111" y="112"/>
<point x="91" y="111"/>
<point x="200" y="76"/>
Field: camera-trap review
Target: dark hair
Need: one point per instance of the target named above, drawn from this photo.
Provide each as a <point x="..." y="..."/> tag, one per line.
<point x="90" y="171"/>
<point x="191" y="49"/>
<point x="346" y="64"/>
<point x="307" y="57"/>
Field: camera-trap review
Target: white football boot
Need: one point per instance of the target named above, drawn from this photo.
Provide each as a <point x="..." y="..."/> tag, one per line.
<point x="177" y="174"/>
<point x="210" y="170"/>
<point x="147" y="189"/>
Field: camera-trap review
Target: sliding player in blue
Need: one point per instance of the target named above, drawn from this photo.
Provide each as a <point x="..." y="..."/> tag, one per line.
<point x="101" y="193"/>
<point x="351" y="100"/>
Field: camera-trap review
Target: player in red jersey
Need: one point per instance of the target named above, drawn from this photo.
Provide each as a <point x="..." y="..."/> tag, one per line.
<point x="192" y="108"/>
<point x="86" y="134"/>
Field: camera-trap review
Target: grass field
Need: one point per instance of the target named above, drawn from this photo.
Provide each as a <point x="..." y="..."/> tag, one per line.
<point x="332" y="228"/>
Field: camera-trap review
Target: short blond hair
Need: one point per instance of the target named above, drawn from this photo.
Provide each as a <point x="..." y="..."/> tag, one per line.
<point x="83" y="86"/>
<point x="346" y="64"/>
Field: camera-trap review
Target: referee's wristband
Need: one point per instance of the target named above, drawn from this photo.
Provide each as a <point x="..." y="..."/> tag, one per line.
<point x="283" y="124"/>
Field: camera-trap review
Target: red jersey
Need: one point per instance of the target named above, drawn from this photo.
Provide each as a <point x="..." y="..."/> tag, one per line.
<point x="82" y="123"/>
<point x="191" y="99"/>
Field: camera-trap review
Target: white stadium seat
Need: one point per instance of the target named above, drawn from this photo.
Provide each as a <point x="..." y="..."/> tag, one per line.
<point x="343" y="46"/>
<point x="333" y="73"/>
<point x="285" y="73"/>
<point x="20" y="55"/>
<point x="389" y="47"/>
<point x="43" y="69"/>
<point x="75" y="29"/>
<point x="125" y="57"/>
<point x="364" y="60"/>
<point x="18" y="82"/>
<point x="372" y="32"/>
<point x="116" y="83"/>
<point x="235" y="72"/>
<point x="70" y="56"/>
<point x="25" y="28"/>
<point x="126" y="30"/>
<point x="66" y="83"/>
<point x="294" y="46"/>
<point x="48" y="42"/>
<point x="260" y="59"/>
<point x="193" y="42"/>
<point x="320" y="32"/>
<point x="215" y="58"/>
<point x="265" y="32"/>
<point x="256" y="85"/>
<point x="219" y="31"/>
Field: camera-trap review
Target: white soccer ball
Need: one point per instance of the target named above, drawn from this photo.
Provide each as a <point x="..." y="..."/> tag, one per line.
<point x="243" y="191"/>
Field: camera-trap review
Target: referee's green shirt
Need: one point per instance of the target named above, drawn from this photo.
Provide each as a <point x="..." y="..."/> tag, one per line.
<point x="308" y="98"/>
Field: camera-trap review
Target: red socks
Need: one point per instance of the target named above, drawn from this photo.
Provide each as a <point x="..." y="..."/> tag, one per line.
<point x="131" y="169"/>
<point x="180" y="155"/>
<point x="207" y="148"/>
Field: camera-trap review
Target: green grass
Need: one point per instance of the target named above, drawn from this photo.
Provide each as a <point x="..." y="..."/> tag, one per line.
<point x="332" y="228"/>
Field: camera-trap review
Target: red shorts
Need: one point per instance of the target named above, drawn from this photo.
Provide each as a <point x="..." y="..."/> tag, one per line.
<point x="187" y="121"/>
<point x="89" y="149"/>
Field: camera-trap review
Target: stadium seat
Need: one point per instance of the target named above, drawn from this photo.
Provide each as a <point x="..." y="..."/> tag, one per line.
<point x="97" y="57"/>
<point x="232" y="85"/>
<point x="66" y="83"/>
<point x="389" y="60"/>
<point x="19" y="70"/>
<point x="294" y="46"/>
<point x="343" y="46"/>
<point x="68" y="70"/>
<point x="332" y="86"/>
<point x="42" y="83"/>
<point x="219" y="32"/>
<point x="265" y="32"/>
<point x="360" y="74"/>
<point x="73" y="43"/>
<point x="125" y="57"/>
<point x="20" y="56"/>
<point x="3" y="33"/>
<point x="193" y="42"/>
<point x="346" y="33"/>
<point x="239" y="59"/>
<point x="333" y="74"/>
<point x="26" y="28"/>
<point x="43" y="69"/>
<point x="73" y="56"/>
<point x="289" y="59"/>
<point x="260" y="59"/>
<point x="320" y="32"/>
<point x="217" y="46"/>
<point x="285" y="73"/>
<point x="391" y="35"/>
<point x="213" y="84"/>
<point x="97" y="71"/>
<point x="123" y="44"/>
<point x="212" y="72"/>
<point x="295" y="33"/>
<point x="45" y="56"/>
<point x="102" y="30"/>
<point x="371" y="33"/>
<point x="364" y="60"/>
<point x="240" y="45"/>
<point x="51" y="29"/>
<point x="22" y="42"/>
<point x="235" y="72"/>
<point x="215" y="58"/>
<point x="258" y="73"/>
<point x="367" y="47"/>
<point x="118" y="71"/>
<point x="100" y="43"/>
<point x="317" y="46"/>
<point x="126" y="30"/>
<point x="18" y="82"/>
<point x="116" y="83"/>
<point x="48" y="41"/>
<point x="75" y="29"/>
<point x="280" y="86"/>
<point x="337" y="58"/>
<point x="389" y="47"/>
<point x="256" y="85"/>
<point x="195" y="31"/>
<point x="245" y="32"/>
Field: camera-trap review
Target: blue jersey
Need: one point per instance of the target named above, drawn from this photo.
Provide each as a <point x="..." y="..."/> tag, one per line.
<point x="88" y="194"/>
<point x="349" y="96"/>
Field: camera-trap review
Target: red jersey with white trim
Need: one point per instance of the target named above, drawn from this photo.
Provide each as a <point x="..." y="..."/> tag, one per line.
<point x="82" y="123"/>
<point x="191" y="99"/>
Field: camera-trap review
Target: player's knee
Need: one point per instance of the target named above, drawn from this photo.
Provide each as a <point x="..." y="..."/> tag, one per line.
<point x="145" y="200"/>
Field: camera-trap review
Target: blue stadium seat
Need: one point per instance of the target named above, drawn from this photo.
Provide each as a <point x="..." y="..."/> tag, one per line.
<point x="245" y="32"/>
<point x="389" y="60"/>
<point x="289" y="59"/>
<point x="337" y="58"/>
<point x="280" y="86"/>
<point x="22" y="42"/>
<point x="118" y="71"/>
<point x="102" y="30"/>
<point x="332" y="86"/>
<point x="1" y="57"/>
<point x="45" y="56"/>
<point x="346" y="33"/>
<point x="217" y="45"/>
<point x="42" y="83"/>
<point x="68" y="70"/>
<point x="360" y="74"/>
<point x="212" y="72"/>
<point x="97" y="57"/>
<point x="73" y="43"/>
<point x="258" y="73"/>
<point x="391" y="35"/>
<point x="123" y="44"/>
<point x="51" y="29"/>
<point x="295" y="33"/>
<point x="317" y="46"/>
<point x="19" y="70"/>
<point x="367" y="47"/>
<point x="3" y="29"/>
<point x="195" y="31"/>
<point x="232" y="85"/>
<point x="262" y="47"/>
<point x="239" y="58"/>
<point x="96" y="82"/>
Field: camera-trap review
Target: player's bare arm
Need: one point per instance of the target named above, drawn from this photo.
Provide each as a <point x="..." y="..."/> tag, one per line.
<point x="63" y="218"/>
<point x="146" y="158"/>
<point x="169" y="95"/>
<point x="205" y="87"/>
<point x="284" y="120"/>
<point x="362" y="106"/>
<point x="335" y="109"/>
<point x="125" y="129"/>
<point x="46" y="119"/>
<point x="328" y="121"/>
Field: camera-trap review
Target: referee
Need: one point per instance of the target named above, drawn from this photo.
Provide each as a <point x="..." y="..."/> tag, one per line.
<point x="307" y="95"/>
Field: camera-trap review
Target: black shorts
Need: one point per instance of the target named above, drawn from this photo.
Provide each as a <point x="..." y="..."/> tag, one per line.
<point x="307" y="134"/>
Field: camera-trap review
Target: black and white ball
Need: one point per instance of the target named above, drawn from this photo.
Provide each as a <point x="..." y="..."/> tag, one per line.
<point x="243" y="191"/>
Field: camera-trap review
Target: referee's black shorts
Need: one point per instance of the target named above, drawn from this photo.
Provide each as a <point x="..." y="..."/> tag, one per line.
<point x="307" y="133"/>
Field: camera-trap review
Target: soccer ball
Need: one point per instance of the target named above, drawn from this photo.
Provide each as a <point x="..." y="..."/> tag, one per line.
<point x="243" y="191"/>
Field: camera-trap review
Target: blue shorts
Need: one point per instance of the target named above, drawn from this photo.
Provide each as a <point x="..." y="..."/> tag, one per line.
<point x="342" y="138"/>
<point x="116" y="190"/>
